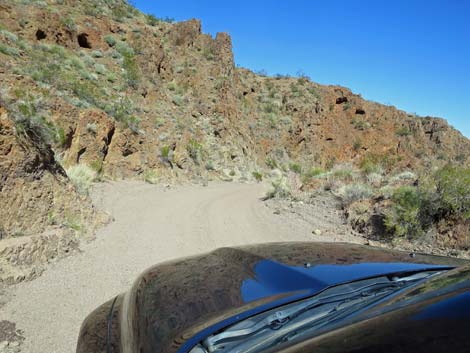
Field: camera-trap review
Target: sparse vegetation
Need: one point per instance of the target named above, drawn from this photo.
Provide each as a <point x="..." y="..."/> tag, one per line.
<point x="258" y="176"/>
<point x="354" y="192"/>
<point x="403" y="131"/>
<point x="280" y="189"/>
<point x="195" y="150"/>
<point x="296" y="168"/>
<point x="360" y="124"/>
<point x="129" y="64"/>
<point x="151" y="20"/>
<point x="81" y="177"/>
<point x="110" y="40"/>
<point x="151" y="176"/>
<point x="357" y="145"/>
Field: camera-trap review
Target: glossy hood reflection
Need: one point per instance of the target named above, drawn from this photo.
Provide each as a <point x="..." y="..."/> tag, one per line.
<point x="273" y="278"/>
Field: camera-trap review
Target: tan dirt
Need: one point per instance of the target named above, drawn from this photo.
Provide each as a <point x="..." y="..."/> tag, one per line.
<point x="152" y="224"/>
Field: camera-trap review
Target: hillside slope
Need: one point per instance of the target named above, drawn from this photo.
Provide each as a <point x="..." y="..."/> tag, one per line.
<point x="127" y="95"/>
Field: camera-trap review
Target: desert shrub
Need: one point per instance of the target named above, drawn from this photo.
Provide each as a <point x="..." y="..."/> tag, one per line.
<point x="69" y="23"/>
<point x="280" y="189"/>
<point x="453" y="188"/>
<point x="195" y="150"/>
<point x="357" y="145"/>
<point x="403" y="131"/>
<point x="129" y="64"/>
<point x="371" y="163"/>
<point x="178" y="100"/>
<point x="374" y="178"/>
<point x="360" y="124"/>
<point x="270" y="107"/>
<point x="258" y="176"/>
<point x="72" y="222"/>
<point x="133" y="124"/>
<point x="151" y="20"/>
<point x="344" y="172"/>
<point x="10" y="51"/>
<point x="403" y="176"/>
<point x="165" y="153"/>
<point x="111" y="77"/>
<point x="151" y="176"/>
<point x="271" y="163"/>
<point x="110" y="40"/>
<point x="403" y="218"/>
<point x="121" y="10"/>
<point x="100" y="69"/>
<point x="444" y="195"/>
<point x="296" y="168"/>
<point x="210" y="165"/>
<point x="354" y="192"/>
<point x="30" y="122"/>
<point x="97" y="53"/>
<point x="314" y="171"/>
<point x="8" y="35"/>
<point x="81" y="177"/>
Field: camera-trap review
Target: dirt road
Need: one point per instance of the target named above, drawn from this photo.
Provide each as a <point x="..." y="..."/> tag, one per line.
<point x="152" y="224"/>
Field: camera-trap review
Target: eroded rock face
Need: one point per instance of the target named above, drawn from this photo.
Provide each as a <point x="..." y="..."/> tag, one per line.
<point x="91" y="139"/>
<point x="185" y="33"/>
<point x="35" y="191"/>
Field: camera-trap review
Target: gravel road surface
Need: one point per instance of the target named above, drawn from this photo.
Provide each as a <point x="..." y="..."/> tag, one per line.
<point x="152" y="224"/>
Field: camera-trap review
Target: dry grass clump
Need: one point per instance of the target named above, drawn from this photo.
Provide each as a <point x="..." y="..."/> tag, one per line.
<point x="82" y="177"/>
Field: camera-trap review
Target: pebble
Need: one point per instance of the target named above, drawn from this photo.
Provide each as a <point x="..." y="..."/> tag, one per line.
<point x="316" y="232"/>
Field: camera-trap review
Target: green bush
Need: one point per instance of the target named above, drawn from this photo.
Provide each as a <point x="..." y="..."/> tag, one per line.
<point x="453" y="188"/>
<point x="271" y="163"/>
<point x="258" y="176"/>
<point x="165" y="152"/>
<point x="195" y="150"/>
<point x="296" y="168"/>
<point x="403" y="219"/>
<point x="69" y="23"/>
<point x="10" y="51"/>
<point x="110" y="40"/>
<point x="129" y="64"/>
<point x="444" y="195"/>
<point x="370" y="165"/>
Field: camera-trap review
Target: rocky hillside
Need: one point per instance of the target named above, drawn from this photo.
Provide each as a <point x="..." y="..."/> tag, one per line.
<point x="122" y="94"/>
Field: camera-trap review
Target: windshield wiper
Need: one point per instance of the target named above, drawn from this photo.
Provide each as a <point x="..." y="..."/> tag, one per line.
<point x="268" y="329"/>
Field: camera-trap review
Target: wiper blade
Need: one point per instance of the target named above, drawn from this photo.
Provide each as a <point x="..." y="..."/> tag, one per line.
<point x="265" y="330"/>
<point x="284" y="317"/>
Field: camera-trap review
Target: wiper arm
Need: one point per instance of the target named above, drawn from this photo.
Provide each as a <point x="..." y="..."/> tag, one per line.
<point x="282" y="317"/>
<point x="270" y="328"/>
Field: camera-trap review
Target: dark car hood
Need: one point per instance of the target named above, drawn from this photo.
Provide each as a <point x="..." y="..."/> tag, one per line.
<point x="175" y="304"/>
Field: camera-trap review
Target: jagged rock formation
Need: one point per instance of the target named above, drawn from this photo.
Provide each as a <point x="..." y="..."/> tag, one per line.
<point x="34" y="191"/>
<point x="126" y="93"/>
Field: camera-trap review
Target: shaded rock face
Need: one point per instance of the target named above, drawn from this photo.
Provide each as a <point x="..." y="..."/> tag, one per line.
<point x="90" y="139"/>
<point x="34" y="190"/>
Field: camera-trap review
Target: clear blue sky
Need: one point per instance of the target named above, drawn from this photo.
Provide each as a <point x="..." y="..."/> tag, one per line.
<point x="413" y="54"/>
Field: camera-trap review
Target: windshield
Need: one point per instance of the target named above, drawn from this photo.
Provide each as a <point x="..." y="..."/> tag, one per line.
<point x="292" y="321"/>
